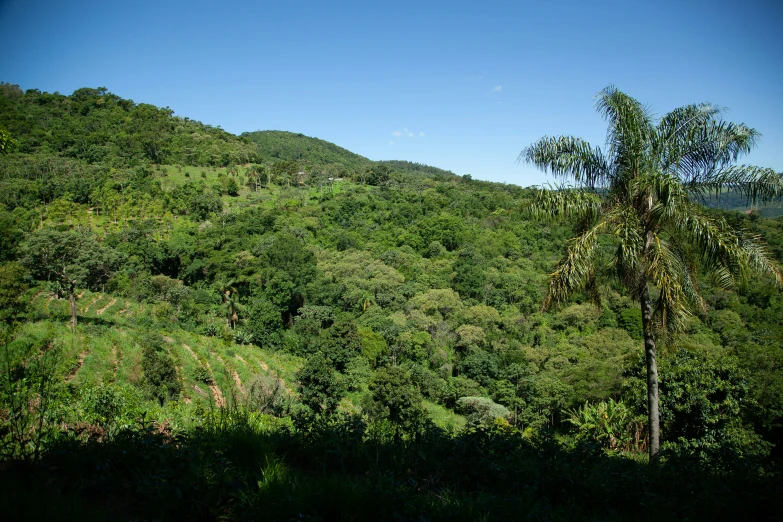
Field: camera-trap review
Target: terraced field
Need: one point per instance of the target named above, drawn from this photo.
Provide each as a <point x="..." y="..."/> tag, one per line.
<point x="212" y="371"/>
<point x="105" y="349"/>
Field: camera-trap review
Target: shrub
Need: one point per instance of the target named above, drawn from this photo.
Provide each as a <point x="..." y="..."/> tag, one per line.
<point x="481" y="410"/>
<point x="268" y="394"/>
<point x="202" y="374"/>
<point x="160" y="380"/>
<point x="611" y="424"/>
<point x="319" y="388"/>
<point x="395" y="399"/>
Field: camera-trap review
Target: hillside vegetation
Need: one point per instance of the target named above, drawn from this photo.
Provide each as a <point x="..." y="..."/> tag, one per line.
<point x="282" y="145"/>
<point x="256" y="339"/>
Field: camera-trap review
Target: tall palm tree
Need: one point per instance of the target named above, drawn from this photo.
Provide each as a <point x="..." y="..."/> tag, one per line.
<point x="642" y="192"/>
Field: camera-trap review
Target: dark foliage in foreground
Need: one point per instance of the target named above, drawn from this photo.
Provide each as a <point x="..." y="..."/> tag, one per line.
<point x="341" y="470"/>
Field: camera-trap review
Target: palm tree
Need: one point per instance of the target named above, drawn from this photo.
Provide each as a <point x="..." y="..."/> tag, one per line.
<point x="642" y="193"/>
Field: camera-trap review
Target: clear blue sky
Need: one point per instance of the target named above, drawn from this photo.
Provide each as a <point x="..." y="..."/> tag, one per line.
<point x="461" y="86"/>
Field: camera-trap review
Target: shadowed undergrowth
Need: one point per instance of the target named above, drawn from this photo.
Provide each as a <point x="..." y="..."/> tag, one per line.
<point x="260" y="468"/>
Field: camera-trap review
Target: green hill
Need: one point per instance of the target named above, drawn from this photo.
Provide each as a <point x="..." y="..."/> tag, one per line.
<point x="97" y="126"/>
<point x="417" y="168"/>
<point x="288" y="146"/>
<point x="320" y="154"/>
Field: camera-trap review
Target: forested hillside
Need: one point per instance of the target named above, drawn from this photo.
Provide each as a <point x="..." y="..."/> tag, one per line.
<point x="282" y="145"/>
<point x="272" y="326"/>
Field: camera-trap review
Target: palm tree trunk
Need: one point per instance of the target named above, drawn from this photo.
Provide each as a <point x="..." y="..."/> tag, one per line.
<point x="651" y="358"/>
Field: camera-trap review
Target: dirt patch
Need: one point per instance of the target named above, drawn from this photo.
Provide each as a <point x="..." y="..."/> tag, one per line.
<point x="78" y="366"/>
<point x="199" y="390"/>
<point x="94" y="300"/>
<point x="115" y="353"/>
<point x="168" y="339"/>
<point x="234" y="374"/>
<point x="127" y="304"/>
<point x="36" y="296"/>
<point x="217" y="395"/>
<point x="100" y="312"/>
<point x="238" y="381"/>
<point x="190" y="350"/>
<point x="213" y="388"/>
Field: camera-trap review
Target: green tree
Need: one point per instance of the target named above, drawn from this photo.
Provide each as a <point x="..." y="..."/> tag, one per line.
<point x="640" y="193"/>
<point x="231" y="187"/>
<point x="394" y="397"/>
<point x="13" y="284"/>
<point x="160" y="374"/>
<point x="318" y="385"/>
<point x="70" y="259"/>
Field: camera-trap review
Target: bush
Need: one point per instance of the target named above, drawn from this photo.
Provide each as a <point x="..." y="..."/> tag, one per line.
<point x="160" y="381"/>
<point x="268" y="394"/>
<point x="612" y="424"/>
<point x="703" y="396"/>
<point x="203" y="375"/>
<point x="28" y="392"/>
<point x="481" y="410"/>
<point x="395" y="399"/>
<point x="319" y="387"/>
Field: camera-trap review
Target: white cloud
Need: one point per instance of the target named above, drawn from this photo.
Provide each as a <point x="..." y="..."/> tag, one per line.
<point x="406" y="133"/>
<point x="497" y="88"/>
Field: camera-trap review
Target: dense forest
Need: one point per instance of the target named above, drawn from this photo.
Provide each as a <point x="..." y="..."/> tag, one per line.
<point x="201" y="326"/>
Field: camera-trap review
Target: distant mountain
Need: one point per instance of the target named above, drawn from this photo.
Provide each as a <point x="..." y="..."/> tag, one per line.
<point x="733" y="200"/>
<point x="289" y="146"/>
<point x="409" y="166"/>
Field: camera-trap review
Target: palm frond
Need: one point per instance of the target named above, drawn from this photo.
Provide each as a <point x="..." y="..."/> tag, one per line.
<point x="628" y="233"/>
<point x="566" y="156"/>
<point x="665" y="194"/>
<point x="676" y="126"/>
<point x="667" y="272"/>
<point x="575" y="269"/>
<point x="757" y="184"/>
<point x="731" y="254"/>
<point x="706" y="150"/>
<point x="557" y="204"/>
<point x="630" y="127"/>
<point x="757" y="256"/>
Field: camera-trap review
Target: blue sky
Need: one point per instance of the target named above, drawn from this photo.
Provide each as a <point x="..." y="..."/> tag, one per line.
<point x="461" y="86"/>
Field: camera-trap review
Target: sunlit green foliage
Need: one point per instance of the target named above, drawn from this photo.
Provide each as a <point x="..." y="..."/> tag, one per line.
<point x="262" y="327"/>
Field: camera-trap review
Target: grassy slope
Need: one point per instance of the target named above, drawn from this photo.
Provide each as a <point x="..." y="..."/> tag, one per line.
<point x="104" y="350"/>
